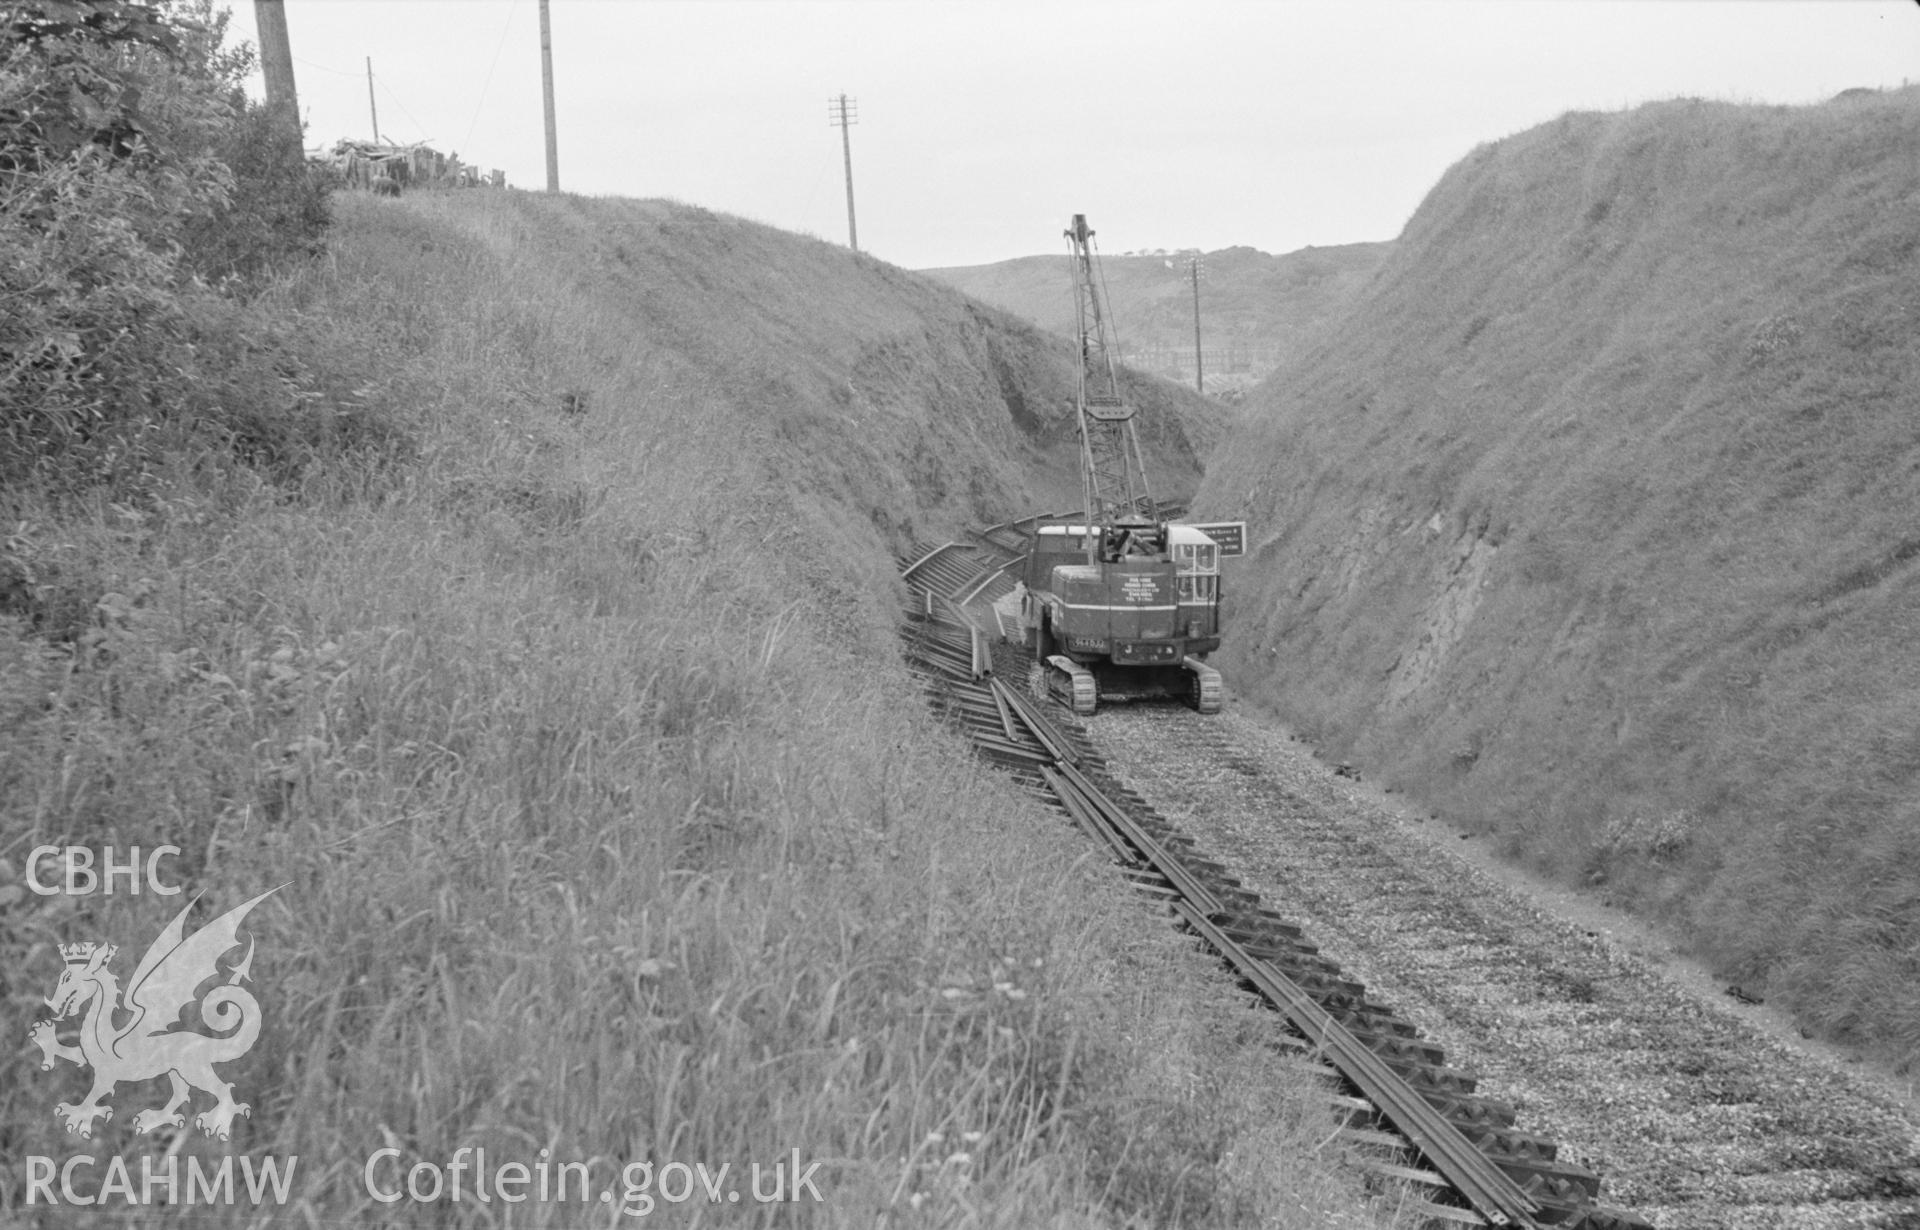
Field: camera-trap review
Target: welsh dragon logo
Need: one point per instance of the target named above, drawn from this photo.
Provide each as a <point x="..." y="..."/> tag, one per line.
<point x="146" y="1044"/>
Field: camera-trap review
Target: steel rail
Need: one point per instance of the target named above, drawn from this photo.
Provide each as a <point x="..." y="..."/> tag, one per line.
<point x="1042" y="731"/>
<point x="985" y="579"/>
<point x="907" y="572"/>
<point x="1150" y="851"/>
<point x="1471" y="1172"/>
<point x="1475" y="1176"/>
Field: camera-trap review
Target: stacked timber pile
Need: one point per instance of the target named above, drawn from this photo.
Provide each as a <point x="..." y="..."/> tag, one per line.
<point x="382" y="166"/>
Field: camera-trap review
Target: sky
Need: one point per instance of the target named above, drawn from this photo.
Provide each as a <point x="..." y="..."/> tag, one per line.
<point x="981" y="126"/>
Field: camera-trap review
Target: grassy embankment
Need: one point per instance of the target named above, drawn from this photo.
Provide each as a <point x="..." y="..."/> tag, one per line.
<point x="610" y="823"/>
<point x="1592" y="524"/>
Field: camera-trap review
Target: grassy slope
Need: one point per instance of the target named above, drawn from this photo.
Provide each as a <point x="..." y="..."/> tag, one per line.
<point x="1592" y="522"/>
<point x="1248" y="298"/>
<point x="611" y="823"/>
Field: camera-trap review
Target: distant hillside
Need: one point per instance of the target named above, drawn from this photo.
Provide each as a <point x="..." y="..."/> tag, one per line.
<point x="1594" y="521"/>
<point x="1255" y="309"/>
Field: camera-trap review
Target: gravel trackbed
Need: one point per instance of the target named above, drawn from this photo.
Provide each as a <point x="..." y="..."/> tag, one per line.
<point x="1694" y="1117"/>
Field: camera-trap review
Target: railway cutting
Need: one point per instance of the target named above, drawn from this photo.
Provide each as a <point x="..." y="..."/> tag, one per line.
<point x="1416" y="1118"/>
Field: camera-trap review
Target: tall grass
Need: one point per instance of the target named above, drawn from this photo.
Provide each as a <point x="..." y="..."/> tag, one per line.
<point x="1654" y="366"/>
<point x="610" y="823"/>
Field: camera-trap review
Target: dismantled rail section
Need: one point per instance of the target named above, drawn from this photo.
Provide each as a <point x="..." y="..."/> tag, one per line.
<point x="1408" y="1115"/>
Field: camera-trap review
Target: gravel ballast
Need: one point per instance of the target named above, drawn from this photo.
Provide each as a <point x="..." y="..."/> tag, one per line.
<point x="1694" y="1117"/>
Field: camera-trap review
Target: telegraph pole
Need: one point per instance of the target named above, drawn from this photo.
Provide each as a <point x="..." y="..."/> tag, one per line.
<point x="546" y="86"/>
<point x="276" y="63"/>
<point x="1194" y="264"/>
<point x="842" y="113"/>
<point x="371" y="109"/>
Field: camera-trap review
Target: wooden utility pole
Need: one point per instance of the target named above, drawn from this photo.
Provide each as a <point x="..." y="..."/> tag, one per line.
<point x="1199" y="376"/>
<point x="843" y="112"/>
<point x="276" y="63"/>
<point x="546" y="87"/>
<point x="372" y="110"/>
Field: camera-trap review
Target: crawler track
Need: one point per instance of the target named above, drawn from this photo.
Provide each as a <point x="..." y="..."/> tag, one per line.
<point x="1423" y="1121"/>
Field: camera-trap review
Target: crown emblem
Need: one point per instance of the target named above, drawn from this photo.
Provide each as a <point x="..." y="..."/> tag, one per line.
<point x="82" y="953"/>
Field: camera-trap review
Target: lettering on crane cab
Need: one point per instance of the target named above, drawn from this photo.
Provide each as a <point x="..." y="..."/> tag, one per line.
<point x="1139" y="589"/>
<point x="1231" y="536"/>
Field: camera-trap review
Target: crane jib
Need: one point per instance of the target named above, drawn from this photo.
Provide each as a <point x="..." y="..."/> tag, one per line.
<point x="1114" y="479"/>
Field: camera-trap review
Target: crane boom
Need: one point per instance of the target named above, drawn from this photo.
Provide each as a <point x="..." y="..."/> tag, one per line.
<point x="1113" y="478"/>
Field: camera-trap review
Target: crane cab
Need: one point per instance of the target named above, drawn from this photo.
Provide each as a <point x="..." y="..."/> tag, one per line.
<point x="1136" y="593"/>
<point x="1196" y="573"/>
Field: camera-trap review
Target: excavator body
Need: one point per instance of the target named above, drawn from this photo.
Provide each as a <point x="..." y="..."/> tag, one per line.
<point x="1135" y="622"/>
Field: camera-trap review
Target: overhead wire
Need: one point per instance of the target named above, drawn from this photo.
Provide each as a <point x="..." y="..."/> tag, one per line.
<point x="325" y="68"/>
<point x="418" y="126"/>
<point x="505" y="27"/>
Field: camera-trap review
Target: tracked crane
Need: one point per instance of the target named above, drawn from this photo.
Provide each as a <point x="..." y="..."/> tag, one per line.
<point x="1120" y="604"/>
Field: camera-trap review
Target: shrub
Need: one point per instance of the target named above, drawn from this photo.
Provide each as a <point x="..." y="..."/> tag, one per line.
<point x="277" y="209"/>
<point x="132" y="168"/>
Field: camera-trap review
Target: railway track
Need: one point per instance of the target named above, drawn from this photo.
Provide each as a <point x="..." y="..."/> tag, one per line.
<point x="1702" y="1120"/>
<point x="1416" y="1118"/>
